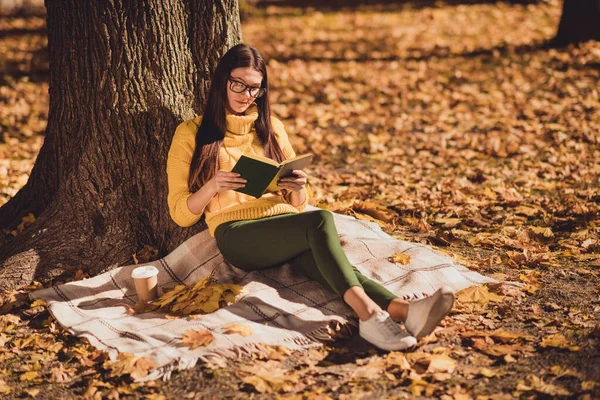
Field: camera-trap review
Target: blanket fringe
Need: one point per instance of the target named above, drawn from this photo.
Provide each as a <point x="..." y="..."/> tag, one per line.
<point x="217" y="358"/>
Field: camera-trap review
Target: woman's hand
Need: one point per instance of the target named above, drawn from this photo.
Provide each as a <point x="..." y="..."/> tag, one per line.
<point x="294" y="183"/>
<point x="224" y="180"/>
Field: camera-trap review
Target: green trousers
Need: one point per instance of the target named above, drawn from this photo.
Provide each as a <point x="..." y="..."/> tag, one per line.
<point x="309" y="241"/>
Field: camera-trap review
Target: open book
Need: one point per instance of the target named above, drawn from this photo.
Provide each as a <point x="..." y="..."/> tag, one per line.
<point x="263" y="173"/>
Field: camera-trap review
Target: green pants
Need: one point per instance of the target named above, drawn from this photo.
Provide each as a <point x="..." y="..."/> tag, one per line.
<point x="309" y="241"/>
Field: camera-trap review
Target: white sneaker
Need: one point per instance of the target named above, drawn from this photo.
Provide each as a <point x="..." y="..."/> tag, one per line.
<point x="384" y="333"/>
<point x="425" y="314"/>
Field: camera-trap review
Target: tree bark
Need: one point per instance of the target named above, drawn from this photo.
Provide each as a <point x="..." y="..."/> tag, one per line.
<point x="123" y="74"/>
<point x="580" y="22"/>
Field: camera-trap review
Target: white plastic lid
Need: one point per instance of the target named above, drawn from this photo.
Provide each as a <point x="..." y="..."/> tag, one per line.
<point x="146" y="271"/>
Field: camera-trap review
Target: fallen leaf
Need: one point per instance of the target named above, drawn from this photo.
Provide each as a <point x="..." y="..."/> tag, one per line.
<point x="441" y="363"/>
<point x="269" y="377"/>
<point x="479" y="295"/>
<point x="558" y="341"/>
<point x="28" y="376"/>
<point x="194" y="338"/>
<point x="240" y="329"/>
<point x="127" y="363"/>
<point x="534" y="383"/>
<point x="401" y="258"/>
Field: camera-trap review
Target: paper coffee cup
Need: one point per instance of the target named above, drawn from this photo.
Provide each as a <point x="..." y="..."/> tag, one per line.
<point x="145" y="279"/>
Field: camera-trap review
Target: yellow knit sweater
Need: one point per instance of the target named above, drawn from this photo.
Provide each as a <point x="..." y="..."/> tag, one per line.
<point x="240" y="138"/>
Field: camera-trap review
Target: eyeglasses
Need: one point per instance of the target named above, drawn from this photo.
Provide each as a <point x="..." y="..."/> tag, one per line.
<point x="240" y="87"/>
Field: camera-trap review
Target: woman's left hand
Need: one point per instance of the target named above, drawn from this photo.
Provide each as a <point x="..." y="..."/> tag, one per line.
<point x="294" y="183"/>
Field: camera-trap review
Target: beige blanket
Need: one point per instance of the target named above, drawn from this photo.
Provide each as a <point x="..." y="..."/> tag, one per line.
<point x="283" y="307"/>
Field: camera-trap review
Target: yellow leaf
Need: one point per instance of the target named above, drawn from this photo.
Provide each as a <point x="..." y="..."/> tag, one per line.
<point x="558" y="341"/>
<point x="478" y="294"/>
<point x="25" y="221"/>
<point x="28" y="376"/>
<point x="542" y="231"/>
<point x="240" y="329"/>
<point x="488" y="373"/>
<point x="372" y="209"/>
<point x="441" y="363"/>
<point x="507" y="337"/>
<point x="397" y="359"/>
<point x="32" y="392"/>
<point x="196" y="338"/>
<point x="401" y="258"/>
<point x="588" y="385"/>
<point x="525" y="210"/>
<point x="127" y="363"/>
<point x="533" y="383"/>
<point x="270" y="377"/>
<point x="490" y="193"/>
<point x="260" y="385"/>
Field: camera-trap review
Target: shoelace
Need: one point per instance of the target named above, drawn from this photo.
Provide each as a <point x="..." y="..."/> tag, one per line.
<point x="389" y="325"/>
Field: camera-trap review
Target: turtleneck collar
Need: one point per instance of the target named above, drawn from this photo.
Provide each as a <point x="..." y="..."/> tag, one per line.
<point x="242" y="124"/>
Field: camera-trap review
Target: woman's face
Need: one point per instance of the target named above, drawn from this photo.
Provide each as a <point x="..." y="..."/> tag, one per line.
<point x="251" y="78"/>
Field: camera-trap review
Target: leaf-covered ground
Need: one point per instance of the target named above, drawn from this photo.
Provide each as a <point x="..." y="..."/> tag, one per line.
<point x="452" y="125"/>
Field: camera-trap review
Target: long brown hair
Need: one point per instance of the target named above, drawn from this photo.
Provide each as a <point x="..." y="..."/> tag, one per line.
<point x="211" y="132"/>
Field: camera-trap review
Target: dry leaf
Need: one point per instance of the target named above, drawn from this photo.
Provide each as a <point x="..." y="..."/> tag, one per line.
<point x="127" y="363"/>
<point x="269" y="377"/>
<point x="479" y="295"/>
<point x="441" y="363"/>
<point x="194" y="338"/>
<point x="558" y="341"/>
<point x="401" y="258"/>
<point x="240" y="329"/>
<point x="29" y="376"/>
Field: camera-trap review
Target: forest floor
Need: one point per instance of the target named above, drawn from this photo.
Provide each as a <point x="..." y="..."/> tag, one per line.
<point x="450" y="124"/>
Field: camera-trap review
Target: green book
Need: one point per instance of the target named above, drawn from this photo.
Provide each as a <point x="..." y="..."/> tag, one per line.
<point x="262" y="174"/>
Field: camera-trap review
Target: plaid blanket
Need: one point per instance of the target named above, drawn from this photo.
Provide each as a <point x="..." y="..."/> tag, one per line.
<point x="283" y="307"/>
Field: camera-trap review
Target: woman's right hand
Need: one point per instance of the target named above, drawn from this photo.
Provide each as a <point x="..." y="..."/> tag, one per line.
<point x="224" y="180"/>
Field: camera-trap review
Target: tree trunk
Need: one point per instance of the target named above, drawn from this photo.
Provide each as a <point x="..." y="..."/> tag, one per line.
<point x="123" y="74"/>
<point x="580" y="22"/>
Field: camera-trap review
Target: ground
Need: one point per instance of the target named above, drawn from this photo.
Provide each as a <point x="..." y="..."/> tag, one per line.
<point x="454" y="125"/>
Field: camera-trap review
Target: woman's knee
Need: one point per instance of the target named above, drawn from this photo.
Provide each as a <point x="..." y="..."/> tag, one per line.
<point x="320" y="218"/>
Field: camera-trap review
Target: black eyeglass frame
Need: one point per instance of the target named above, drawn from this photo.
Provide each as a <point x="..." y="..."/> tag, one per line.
<point x="249" y="89"/>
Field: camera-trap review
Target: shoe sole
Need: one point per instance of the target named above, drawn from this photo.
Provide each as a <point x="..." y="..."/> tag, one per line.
<point x="405" y="345"/>
<point x="437" y="315"/>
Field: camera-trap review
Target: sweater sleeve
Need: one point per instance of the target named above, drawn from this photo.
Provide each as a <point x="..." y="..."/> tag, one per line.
<point x="288" y="152"/>
<point x="178" y="170"/>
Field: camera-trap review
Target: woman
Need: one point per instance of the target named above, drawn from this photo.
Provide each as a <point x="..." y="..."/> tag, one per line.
<point x="260" y="233"/>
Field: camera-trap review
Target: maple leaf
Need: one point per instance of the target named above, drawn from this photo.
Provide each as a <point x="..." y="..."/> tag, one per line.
<point x="401" y="258"/>
<point x="25" y="221"/>
<point x="479" y="295"/>
<point x="558" y="341"/>
<point x="60" y="374"/>
<point x="127" y="363"/>
<point x="373" y="209"/>
<point x="204" y="297"/>
<point x="194" y="338"/>
<point x="398" y="360"/>
<point x="269" y="377"/>
<point x="240" y="329"/>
